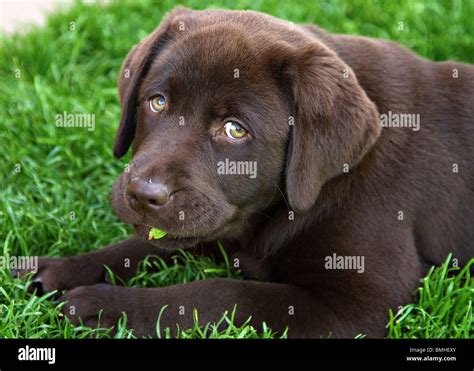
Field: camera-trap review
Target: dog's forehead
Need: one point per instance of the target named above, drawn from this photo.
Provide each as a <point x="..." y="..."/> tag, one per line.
<point x="213" y="58"/>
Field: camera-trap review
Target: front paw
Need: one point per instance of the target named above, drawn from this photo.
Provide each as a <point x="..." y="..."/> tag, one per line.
<point x="102" y="305"/>
<point x="62" y="273"/>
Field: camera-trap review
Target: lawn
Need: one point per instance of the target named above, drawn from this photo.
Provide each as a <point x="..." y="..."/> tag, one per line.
<point x="55" y="182"/>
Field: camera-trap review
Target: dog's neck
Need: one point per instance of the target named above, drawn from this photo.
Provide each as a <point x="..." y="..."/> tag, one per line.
<point x="269" y="234"/>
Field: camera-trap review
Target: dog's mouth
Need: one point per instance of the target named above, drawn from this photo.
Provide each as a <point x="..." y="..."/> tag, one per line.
<point x="209" y="220"/>
<point x="174" y="240"/>
<point x="168" y="240"/>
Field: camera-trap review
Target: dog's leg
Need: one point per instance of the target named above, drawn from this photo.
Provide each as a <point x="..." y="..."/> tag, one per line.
<point x="87" y="269"/>
<point x="278" y="305"/>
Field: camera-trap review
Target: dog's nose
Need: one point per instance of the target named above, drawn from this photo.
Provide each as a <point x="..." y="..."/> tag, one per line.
<point x="147" y="195"/>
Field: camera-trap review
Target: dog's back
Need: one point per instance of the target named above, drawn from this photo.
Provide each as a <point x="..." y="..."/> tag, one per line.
<point x="430" y="163"/>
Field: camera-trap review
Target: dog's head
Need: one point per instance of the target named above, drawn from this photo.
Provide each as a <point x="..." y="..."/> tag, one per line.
<point x="228" y="113"/>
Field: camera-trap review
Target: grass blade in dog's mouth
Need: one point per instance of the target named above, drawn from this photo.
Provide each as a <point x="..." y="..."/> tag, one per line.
<point x="156" y="234"/>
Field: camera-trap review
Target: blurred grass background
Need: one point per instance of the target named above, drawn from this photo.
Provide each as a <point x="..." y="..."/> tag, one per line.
<point x="55" y="182"/>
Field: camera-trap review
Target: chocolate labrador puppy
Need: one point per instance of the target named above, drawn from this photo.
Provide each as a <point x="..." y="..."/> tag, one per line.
<point x="334" y="169"/>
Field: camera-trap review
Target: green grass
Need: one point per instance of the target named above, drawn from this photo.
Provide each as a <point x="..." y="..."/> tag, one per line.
<point x="55" y="182"/>
<point x="444" y="308"/>
<point x="23" y="315"/>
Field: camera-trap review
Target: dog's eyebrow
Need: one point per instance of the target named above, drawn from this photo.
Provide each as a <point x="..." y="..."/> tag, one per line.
<point x="153" y="88"/>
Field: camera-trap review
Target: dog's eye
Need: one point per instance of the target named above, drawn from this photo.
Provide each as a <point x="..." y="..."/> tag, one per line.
<point x="234" y="131"/>
<point x="157" y="104"/>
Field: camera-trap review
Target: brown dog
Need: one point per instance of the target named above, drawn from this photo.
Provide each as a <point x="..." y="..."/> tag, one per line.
<point x="333" y="168"/>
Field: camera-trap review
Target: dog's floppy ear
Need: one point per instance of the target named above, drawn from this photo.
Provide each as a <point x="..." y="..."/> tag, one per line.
<point x="133" y="70"/>
<point x="335" y="123"/>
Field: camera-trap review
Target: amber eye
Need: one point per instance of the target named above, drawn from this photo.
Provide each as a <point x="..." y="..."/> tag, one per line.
<point x="234" y="130"/>
<point x="158" y="103"/>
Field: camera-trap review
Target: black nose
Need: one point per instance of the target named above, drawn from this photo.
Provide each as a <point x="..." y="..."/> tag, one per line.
<point x="147" y="195"/>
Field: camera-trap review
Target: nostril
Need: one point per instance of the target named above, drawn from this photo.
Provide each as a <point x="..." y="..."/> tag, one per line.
<point x="131" y="196"/>
<point x="159" y="196"/>
<point x="147" y="194"/>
